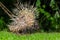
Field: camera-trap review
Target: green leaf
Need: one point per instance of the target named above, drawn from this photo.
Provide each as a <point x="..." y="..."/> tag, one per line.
<point x="38" y="3"/>
<point x="56" y="15"/>
<point x="52" y="3"/>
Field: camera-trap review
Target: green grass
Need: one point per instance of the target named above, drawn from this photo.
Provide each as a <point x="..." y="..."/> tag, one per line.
<point x="4" y="35"/>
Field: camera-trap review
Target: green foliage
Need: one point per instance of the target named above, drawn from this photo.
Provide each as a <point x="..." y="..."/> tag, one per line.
<point x="47" y="21"/>
<point x="54" y="5"/>
<point x="2" y="24"/>
<point x="38" y="3"/>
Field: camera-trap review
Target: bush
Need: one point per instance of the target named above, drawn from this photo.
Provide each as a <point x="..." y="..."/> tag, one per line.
<point x="2" y="24"/>
<point x="48" y="15"/>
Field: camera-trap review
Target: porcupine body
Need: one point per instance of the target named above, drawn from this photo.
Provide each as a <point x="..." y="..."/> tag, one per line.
<point x="25" y="19"/>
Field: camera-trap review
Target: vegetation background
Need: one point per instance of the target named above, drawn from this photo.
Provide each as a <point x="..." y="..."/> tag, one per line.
<point x="48" y="14"/>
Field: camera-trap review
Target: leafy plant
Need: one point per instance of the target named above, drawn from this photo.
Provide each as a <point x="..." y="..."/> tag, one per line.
<point x="46" y="20"/>
<point x="1" y="23"/>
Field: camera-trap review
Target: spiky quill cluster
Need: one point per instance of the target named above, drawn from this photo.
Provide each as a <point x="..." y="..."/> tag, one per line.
<point x="25" y="18"/>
